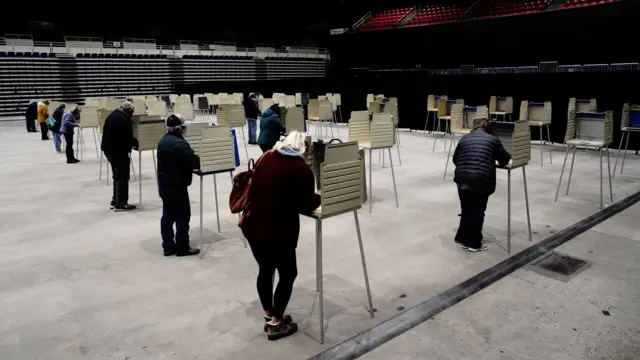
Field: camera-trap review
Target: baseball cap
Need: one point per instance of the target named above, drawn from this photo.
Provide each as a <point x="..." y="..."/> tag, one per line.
<point x="177" y="120"/>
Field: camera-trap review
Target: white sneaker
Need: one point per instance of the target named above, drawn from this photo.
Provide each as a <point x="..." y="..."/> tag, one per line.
<point x="464" y="247"/>
<point x="481" y="248"/>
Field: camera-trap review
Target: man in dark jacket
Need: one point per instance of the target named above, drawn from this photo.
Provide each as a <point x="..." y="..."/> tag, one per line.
<point x="31" y="115"/>
<point x="117" y="142"/>
<point x="252" y="113"/>
<point x="176" y="162"/>
<point x="475" y="160"/>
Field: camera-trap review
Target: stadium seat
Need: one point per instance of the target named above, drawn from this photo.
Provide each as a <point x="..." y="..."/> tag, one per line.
<point x="385" y="19"/>
<point x="578" y="3"/>
<point x="499" y="8"/>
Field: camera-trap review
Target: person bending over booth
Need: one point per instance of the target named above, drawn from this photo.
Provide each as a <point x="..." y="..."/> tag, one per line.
<point x="117" y="143"/>
<point x="475" y="159"/>
<point x="282" y="187"/>
<point x="55" y="130"/>
<point x="176" y="162"/>
<point x="270" y="128"/>
<point x="69" y="122"/>
<point x="252" y="113"/>
<point x="31" y="115"/>
<point x="43" y="115"/>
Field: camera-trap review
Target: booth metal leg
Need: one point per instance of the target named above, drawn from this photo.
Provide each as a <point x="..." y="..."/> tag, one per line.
<point x="319" y="279"/>
<point x="447" y="129"/>
<point x="573" y="160"/>
<point x="609" y="173"/>
<point x="566" y="155"/>
<point x="364" y="262"/>
<point x="395" y="127"/>
<point x="95" y="141"/>
<point x="435" y="138"/>
<point x="78" y="142"/>
<point x="246" y="150"/>
<point x="370" y="182"/>
<point x="399" y="157"/>
<point x="509" y="211"/>
<point x="618" y="155"/>
<point x="201" y="222"/>
<point x="526" y="200"/>
<point x="215" y="191"/>
<point x="340" y="112"/>
<point x="446" y="165"/>
<point x="100" y="173"/>
<point x="624" y="157"/>
<point x="541" y="148"/>
<point x="393" y="177"/>
<point x="140" y="172"/>
<point x="155" y="167"/>
<point x="550" y="142"/>
<point x="601" y="181"/>
<point x="426" y="123"/>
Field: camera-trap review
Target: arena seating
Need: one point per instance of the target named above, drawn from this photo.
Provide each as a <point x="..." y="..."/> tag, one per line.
<point x="499" y="8"/>
<point x="385" y="19"/>
<point x="577" y="3"/>
<point x="434" y="14"/>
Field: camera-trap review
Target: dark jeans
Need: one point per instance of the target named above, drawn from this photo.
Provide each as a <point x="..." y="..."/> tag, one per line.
<point x="120" y="165"/>
<point x="176" y="208"/>
<point x="44" y="130"/>
<point x="252" y="125"/>
<point x="31" y="125"/>
<point x="68" y="139"/>
<point x="473" y="206"/>
<point x="269" y="259"/>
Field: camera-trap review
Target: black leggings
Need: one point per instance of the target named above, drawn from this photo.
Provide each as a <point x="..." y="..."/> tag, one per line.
<point x="68" y="139"/>
<point x="269" y="259"/>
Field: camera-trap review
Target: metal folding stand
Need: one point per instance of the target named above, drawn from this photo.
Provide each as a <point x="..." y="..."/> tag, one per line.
<point x="543" y="142"/>
<point x="526" y="199"/>
<point x="140" y="172"/>
<point x="215" y="191"/>
<point x="435" y="119"/>
<point x="447" y="129"/>
<point x="80" y="141"/>
<point x="318" y="217"/>
<point x="627" y="133"/>
<point x="393" y="176"/>
<point x="573" y="159"/>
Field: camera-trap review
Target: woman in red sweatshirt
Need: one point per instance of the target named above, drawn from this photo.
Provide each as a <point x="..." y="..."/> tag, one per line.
<point x="282" y="187"/>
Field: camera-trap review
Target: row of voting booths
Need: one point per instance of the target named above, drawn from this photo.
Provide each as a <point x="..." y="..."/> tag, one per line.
<point x="326" y="110"/>
<point x="630" y="124"/>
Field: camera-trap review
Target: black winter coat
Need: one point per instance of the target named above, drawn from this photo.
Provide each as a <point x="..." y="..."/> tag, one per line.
<point x="117" y="134"/>
<point x="57" y="116"/>
<point x="251" y="110"/>
<point x="32" y="111"/>
<point x="176" y="162"/>
<point x="475" y="159"/>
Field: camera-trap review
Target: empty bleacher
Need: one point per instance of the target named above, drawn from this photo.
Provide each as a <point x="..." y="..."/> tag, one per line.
<point x="385" y="19"/>
<point x="439" y="13"/>
<point x="499" y="8"/>
<point x="578" y="3"/>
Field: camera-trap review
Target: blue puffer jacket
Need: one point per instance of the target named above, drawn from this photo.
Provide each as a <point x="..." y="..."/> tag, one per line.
<point x="68" y="123"/>
<point x="475" y="159"/>
<point x="270" y="128"/>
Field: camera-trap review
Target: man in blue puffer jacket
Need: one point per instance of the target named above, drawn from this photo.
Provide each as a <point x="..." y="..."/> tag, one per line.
<point x="270" y="128"/>
<point x="475" y="160"/>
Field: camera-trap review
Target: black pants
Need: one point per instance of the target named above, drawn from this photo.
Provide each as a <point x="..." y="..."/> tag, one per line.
<point x="120" y="165"/>
<point x="176" y="209"/>
<point x="68" y="139"/>
<point x="44" y="130"/>
<point x="269" y="259"/>
<point x="265" y="148"/>
<point x="473" y="206"/>
<point x="31" y="124"/>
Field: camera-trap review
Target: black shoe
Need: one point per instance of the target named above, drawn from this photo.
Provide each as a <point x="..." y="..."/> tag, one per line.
<point x="169" y="253"/>
<point x="74" y="161"/>
<point x="112" y="205"/>
<point x="275" y="332"/>
<point x="287" y="320"/>
<point x="190" y="252"/>
<point x="124" y="207"/>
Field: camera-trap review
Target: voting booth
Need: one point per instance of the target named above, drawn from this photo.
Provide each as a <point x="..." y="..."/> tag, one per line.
<point x="89" y="118"/>
<point x="232" y="116"/>
<point x="500" y="106"/>
<point x="321" y="111"/>
<point x="443" y="106"/>
<point x="294" y="120"/>
<point x="589" y="129"/>
<point x="432" y="110"/>
<point x="340" y="174"/>
<point x="629" y="124"/>
<point x="375" y="134"/>
<point x="539" y="115"/>
<point x="148" y="129"/>
<point x="184" y="108"/>
<point x="216" y="150"/>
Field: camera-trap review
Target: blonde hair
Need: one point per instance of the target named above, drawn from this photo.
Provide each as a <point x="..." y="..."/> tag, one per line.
<point x="295" y="140"/>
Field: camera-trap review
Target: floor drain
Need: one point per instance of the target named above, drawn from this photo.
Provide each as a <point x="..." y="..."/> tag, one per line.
<point x="559" y="266"/>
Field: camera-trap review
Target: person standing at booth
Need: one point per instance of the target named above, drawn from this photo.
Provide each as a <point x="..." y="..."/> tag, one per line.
<point x="270" y="128"/>
<point x="55" y="130"/>
<point x="31" y="115"/>
<point x="43" y="115"/>
<point x="117" y="143"/>
<point x="475" y="159"/>
<point x="176" y="162"/>
<point x="252" y="113"/>
<point x="282" y="187"/>
<point x="69" y="122"/>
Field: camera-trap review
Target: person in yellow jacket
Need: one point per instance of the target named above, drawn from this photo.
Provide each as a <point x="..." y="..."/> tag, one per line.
<point x="43" y="115"/>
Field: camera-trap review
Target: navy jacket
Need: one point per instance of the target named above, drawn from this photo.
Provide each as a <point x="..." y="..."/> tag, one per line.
<point x="270" y="128"/>
<point x="68" y="123"/>
<point x="251" y="109"/>
<point x="57" y="116"/>
<point x="32" y="111"/>
<point x="475" y="159"/>
<point x="176" y="162"/>
<point x="117" y="134"/>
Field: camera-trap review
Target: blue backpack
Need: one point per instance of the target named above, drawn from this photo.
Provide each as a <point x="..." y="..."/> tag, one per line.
<point x="51" y="123"/>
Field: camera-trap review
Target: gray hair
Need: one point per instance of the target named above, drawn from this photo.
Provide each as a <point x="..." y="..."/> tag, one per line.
<point x="295" y="140"/>
<point x="127" y="106"/>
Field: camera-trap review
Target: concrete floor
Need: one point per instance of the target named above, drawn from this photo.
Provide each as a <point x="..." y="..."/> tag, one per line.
<point x="82" y="282"/>
<point x="530" y="316"/>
